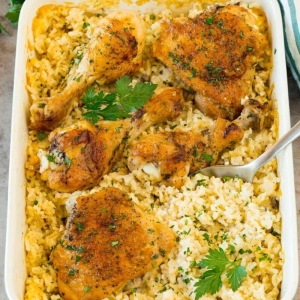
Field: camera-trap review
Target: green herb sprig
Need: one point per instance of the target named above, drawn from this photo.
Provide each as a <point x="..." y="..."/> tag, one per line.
<point x="217" y="263"/>
<point x="13" y="14"/>
<point x="14" y="11"/>
<point x="119" y="104"/>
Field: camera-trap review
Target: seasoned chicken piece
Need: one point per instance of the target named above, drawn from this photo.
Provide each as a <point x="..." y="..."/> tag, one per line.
<point x="108" y="240"/>
<point x="214" y="54"/>
<point x="81" y="154"/>
<point x="166" y="104"/>
<point x="115" y="50"/>
<point x="170" y="156"/>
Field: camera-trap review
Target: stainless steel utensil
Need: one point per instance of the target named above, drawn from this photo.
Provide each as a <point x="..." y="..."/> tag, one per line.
<point x="247" y="172"/>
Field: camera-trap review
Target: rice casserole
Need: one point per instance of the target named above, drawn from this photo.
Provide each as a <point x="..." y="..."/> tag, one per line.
<point x="205" y="213"/>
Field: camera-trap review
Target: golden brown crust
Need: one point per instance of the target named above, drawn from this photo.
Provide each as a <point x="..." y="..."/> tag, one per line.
<point x="213" y="54"/>
<point x="179" y="153"/>
<point x="89" y="152"/>
<point x="108" y="241"/>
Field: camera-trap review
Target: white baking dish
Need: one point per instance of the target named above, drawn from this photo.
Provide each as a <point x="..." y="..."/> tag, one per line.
<point x="15" y="269"/>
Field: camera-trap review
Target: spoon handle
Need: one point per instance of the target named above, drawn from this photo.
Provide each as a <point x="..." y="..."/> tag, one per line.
<point x="286" y="139"/>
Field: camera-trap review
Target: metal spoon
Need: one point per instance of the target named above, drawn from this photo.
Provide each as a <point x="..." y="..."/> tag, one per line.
<point x="247" y="172"/>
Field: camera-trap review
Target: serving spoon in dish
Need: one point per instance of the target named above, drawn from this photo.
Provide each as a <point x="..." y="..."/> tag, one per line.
<point x="247" y="172"/>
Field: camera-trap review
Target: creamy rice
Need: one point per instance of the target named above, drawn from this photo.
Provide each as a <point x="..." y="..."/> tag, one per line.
<point x="214" y="214"/>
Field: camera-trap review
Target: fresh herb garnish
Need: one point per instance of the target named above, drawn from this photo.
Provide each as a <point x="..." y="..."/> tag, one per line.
<point x="13" y="14"/>
<point x="41" y="105"/>
<point x="77" y="259"/>
<point x="201" y="182"/>
<point x="41" y="135"/>
<point x="207" y="157"/>
<point x="210" y="20"/>
<point x="120" y="104"/>
<point x="174" y="58"/>
<point x="152" y="17"/>
<point x="68" y="161"/>
<point x="51" y="158"/>
<point x="87" y="289"/>
<point x="71" y="272"/>
<point x="217" y="263"/>
<point x="193" y="74"/>
<point x="114" y="243"/>
<point x="80" y="226"/>
<point x="85" y="25"/>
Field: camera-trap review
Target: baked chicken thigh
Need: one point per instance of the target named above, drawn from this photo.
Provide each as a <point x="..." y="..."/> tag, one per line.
<point x="214" y="54"/>
<point x="108" y="240"/>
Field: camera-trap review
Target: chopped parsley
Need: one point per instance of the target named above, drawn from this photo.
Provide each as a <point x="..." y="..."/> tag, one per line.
<point x="85" y="25"/>
<point x="51" y="158"/>
<point x="80" y="226"/>
<point x="87" y="289"/>
<point x="41" y="135"/>
<point x="114" y="243"/>
<point x="209" y="20"/>
<point x="68" y="161"/>
<point x="207" y="157"/>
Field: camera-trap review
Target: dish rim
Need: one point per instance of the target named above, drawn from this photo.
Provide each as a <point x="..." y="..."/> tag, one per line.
<point x="15" y="265"/>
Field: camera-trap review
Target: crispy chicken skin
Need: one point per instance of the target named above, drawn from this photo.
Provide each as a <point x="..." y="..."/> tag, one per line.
<point x="108" y="240"/>
<point x="176" y="154"/>
<point x="213" y="54"/>
<point x="86" y="152"/>
<point x="115" y="50"/>
<point x="168" y="157"/>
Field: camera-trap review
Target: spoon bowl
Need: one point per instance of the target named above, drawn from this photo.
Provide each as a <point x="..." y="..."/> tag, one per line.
<point x="248" y="171"/>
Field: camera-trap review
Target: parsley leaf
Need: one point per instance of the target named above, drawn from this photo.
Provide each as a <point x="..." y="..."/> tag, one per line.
<point x="120" y="104"/>
<point x="217" y="263"/>
<point x="210" y="282"/>
<point x="216" y="259"/>
<point x="235" y="276"/>
<point x="13" y="13"/>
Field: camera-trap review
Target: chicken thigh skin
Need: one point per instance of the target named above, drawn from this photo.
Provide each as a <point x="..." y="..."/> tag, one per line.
<point x="108" y="240"/>
<point x="214" y="54"/>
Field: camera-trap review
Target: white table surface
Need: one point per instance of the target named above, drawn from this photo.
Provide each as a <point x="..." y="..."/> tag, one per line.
<point x="7" y="60"/>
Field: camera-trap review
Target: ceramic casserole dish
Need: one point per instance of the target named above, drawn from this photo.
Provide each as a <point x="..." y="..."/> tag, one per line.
<point x="15" y="259"/>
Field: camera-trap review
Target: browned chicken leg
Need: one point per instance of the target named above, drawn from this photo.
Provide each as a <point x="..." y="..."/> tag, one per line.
<point x="213" y="54"/>
<point x="115" y="50"/>
<point x="108" y="240"/>
<point x="81" y="154"/>
<point x="168" y="157"/>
